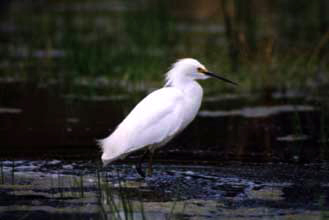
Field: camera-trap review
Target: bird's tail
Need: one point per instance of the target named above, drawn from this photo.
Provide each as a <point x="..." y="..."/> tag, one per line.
<point x="100" y="143"/>
<point x="109" y="149"/>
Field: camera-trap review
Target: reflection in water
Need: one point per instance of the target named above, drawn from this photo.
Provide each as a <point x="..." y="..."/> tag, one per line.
<point x="6" y="110"/>
<point x="292" y="138"/>
<point x="255" y="112"/>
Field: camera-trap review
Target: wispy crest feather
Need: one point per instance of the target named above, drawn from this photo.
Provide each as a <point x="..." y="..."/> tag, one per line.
<point x="181" y="63"/>
<point x="169" y="77"/>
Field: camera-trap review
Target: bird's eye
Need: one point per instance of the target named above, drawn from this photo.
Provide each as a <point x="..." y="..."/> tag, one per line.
<point x="200" y="70"/>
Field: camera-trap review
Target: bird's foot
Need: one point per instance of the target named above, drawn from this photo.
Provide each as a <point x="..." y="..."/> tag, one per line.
<point x="140" y="171"/>
<point x="150" y="170"/>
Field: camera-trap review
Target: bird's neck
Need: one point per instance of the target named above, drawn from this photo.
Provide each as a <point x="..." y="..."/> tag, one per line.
<point x="190" y="87"/>
<point x="193" y="93"/>
<point x="187" y="85"/>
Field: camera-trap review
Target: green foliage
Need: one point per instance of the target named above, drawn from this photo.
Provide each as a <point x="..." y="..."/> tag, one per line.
<point x="68" y="41"/>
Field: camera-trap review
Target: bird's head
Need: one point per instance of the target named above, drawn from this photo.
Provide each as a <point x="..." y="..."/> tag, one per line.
<point x="189" y="68"/>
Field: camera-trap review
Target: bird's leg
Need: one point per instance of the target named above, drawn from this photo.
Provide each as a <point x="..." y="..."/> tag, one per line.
<point x="139" y="164"/>
<point x="150" y="169"/>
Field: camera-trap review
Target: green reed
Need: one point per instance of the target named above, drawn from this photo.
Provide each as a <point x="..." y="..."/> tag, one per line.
<point x="2" y="173"/>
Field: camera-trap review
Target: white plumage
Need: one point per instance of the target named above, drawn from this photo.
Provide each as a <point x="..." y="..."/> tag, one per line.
<point x="153" y="121"/>
<point x="161" y="115"/>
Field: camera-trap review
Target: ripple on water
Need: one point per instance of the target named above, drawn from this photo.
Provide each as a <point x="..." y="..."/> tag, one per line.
<point x="260" y="111"/>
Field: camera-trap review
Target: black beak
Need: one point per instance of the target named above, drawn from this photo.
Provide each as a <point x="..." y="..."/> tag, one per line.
<point x="219" y="77"/>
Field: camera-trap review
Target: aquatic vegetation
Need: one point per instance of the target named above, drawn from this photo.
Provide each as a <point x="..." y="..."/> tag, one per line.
<point x="13" y="173"/>
<point x="2" y="175"/>
<point x="174" y="192"/>
<point x="324" y="134"/>
<point x="137" y="42"/>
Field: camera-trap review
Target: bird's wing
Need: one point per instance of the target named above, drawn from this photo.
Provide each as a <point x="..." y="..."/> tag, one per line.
<point x="157" y="117"/>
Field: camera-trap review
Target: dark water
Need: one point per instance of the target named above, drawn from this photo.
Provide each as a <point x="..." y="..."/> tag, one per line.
<point x="245" y="156"/>
<point x="286" y="126"/>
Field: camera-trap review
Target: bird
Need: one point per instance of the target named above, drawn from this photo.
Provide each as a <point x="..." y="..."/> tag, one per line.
<point x="160" y="116"/>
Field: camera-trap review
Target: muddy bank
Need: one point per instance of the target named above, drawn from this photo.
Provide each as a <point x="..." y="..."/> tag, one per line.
<point x="39" y="189"/>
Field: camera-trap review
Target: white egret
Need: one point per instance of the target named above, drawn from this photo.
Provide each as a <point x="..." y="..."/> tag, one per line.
<point x="161" y="115"/>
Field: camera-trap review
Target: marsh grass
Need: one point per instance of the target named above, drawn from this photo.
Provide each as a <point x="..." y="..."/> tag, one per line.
<point x="140" y="44"/>
<point x="114" y="198"/>
<point x="297" y="132"/>
<point x="108" y="201"/>
<point x="13" y="172"/>
<point x="2" y="173"/>
<point x="81" y="186"/>
<point x="60" y="185"/>
<point x="324" y="134"/>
